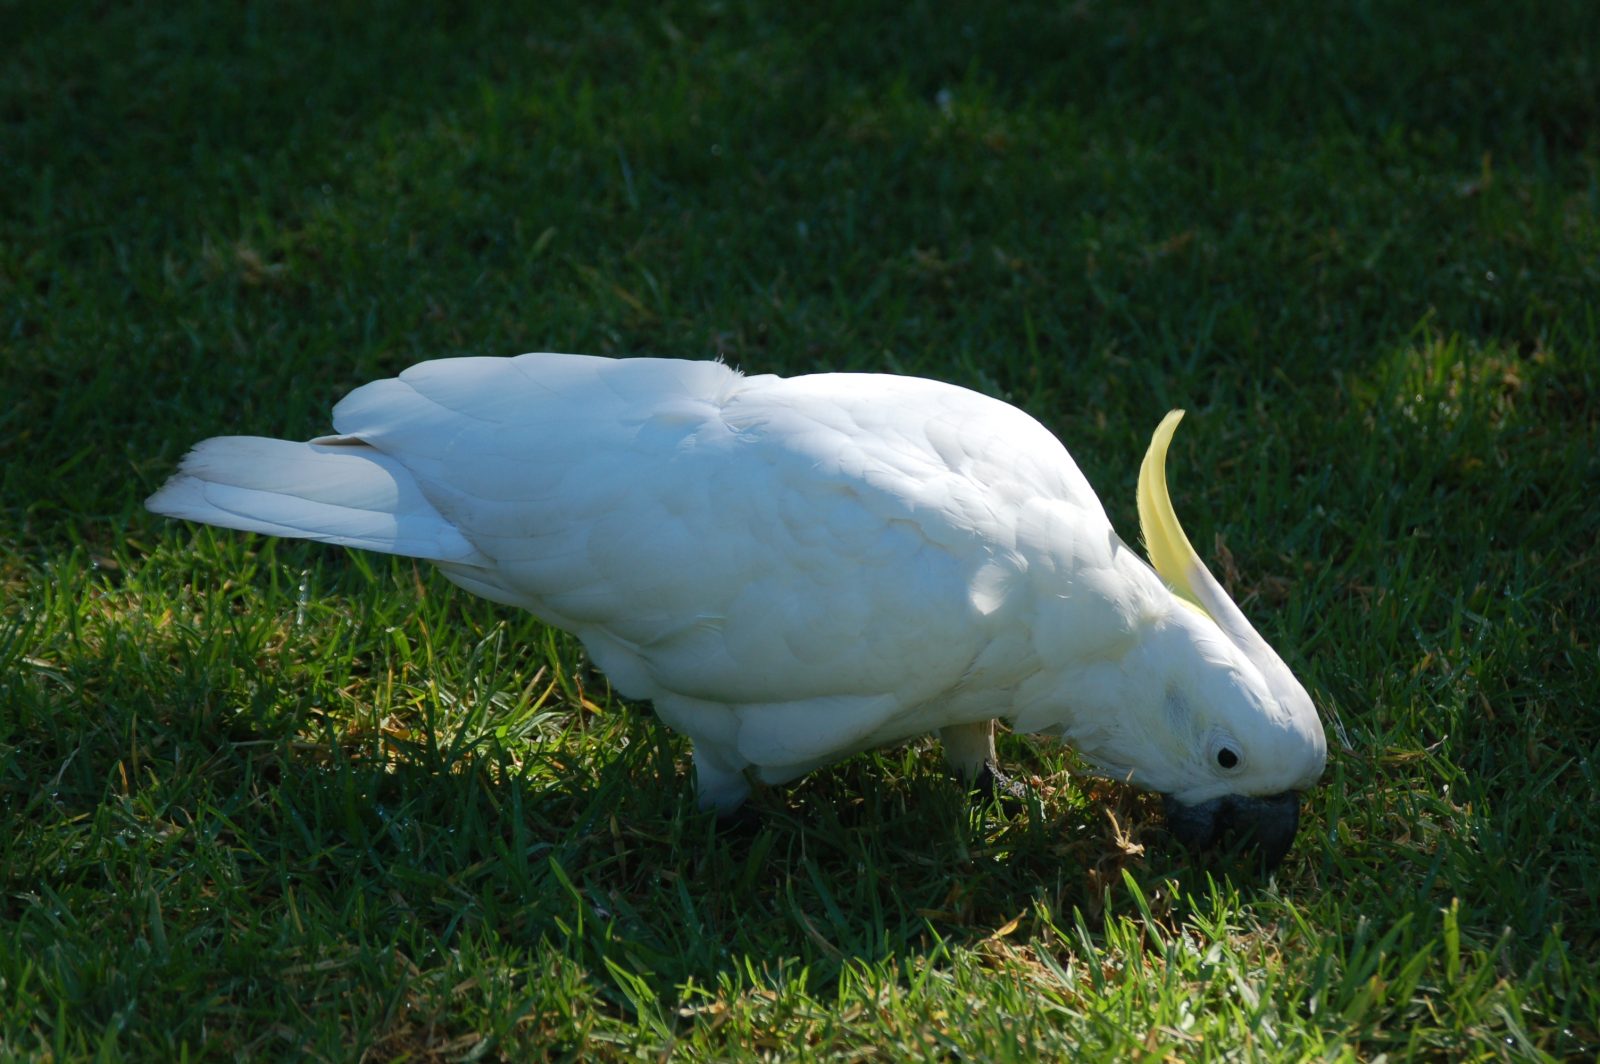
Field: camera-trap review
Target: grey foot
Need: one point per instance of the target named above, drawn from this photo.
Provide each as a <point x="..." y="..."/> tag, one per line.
<point x="996" y="786"/>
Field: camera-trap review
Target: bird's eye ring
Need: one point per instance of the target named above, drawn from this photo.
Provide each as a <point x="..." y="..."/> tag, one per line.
<point x="1226" y="754"/>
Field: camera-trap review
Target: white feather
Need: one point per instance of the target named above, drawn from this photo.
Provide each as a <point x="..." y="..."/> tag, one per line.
<point x="349" y="495"/>
<point x="793" y="569"/>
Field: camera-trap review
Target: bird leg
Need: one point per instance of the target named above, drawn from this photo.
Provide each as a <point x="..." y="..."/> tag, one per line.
<point x="721" y="787"/>
<point x="969" y="751"/>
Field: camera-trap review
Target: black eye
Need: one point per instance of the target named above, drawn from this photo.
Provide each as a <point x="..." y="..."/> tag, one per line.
<point x="1227" y="758"/>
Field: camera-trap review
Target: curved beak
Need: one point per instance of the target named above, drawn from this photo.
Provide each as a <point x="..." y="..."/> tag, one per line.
<point x="1265" y="826"/>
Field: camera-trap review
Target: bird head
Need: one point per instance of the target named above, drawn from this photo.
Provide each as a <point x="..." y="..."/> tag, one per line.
<point x="1251" y="736"/>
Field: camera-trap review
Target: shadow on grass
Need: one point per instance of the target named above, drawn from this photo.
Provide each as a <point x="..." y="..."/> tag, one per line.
<point x="881" y="858"/>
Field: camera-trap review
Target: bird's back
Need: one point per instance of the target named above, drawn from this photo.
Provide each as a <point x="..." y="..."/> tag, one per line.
<point x="735" y="539"/>
<point x="791" y="568"/>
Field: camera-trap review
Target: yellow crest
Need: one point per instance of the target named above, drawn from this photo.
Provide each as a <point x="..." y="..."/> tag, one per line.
<point x="1169" y="549"/>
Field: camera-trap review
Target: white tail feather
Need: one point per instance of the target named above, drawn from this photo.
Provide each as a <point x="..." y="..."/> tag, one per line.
<point x="345" y="493"/>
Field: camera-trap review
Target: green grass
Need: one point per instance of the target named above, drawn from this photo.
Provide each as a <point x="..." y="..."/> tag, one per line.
<point x="264" y="800"/>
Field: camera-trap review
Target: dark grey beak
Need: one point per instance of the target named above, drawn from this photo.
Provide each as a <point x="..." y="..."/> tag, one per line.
<point x="1265" y="826"/>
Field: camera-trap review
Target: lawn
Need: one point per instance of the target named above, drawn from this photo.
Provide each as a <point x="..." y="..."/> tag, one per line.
<point x="268" y="800"/>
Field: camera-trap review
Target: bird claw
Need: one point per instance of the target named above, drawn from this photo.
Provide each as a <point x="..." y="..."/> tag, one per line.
<point x="996" y="786"/>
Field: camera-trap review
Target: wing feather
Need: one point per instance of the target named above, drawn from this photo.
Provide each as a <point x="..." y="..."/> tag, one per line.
<point x="826" y="552"/>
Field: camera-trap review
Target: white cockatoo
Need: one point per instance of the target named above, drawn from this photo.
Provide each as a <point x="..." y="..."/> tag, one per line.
<point x="797" y="569"/>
